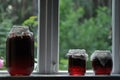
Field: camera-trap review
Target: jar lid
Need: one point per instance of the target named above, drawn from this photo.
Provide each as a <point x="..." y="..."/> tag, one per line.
<point x="102" y="55"/>
<point x="18" y="30"/>
<point x="77" y="53"/>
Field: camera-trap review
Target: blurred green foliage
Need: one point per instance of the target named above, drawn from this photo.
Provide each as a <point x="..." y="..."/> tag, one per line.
<point x="78" y="30"/>
<point x="31" y="22"/>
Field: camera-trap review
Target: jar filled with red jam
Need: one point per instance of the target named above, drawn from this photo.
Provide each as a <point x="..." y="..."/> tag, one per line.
<point x="102" y="62"/>
<point x="20" y="51"/>
<point x="77" y="62"/>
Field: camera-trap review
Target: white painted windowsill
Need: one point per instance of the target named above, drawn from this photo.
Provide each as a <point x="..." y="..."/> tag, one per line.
<point x="59" y="76"/>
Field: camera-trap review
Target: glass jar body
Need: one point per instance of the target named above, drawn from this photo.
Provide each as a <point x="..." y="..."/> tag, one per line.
<point x="102" y="62"/>
<point x="20" y="53"/>
<point x="99" y="69"/>
<point x="76" y="66"/>
<point x="77" y="62"/>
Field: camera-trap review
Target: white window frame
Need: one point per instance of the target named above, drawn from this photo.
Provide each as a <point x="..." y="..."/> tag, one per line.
<point x="48" y="36"/>
<point x="48" y="45"/>
<point x="48" y="56"/>
<point x="116" y="36"/>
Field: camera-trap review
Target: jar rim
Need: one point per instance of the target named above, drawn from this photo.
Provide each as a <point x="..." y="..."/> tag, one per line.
<point x="100" y="51"/>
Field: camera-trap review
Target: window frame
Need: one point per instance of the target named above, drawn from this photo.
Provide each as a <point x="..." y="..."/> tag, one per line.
<point x="115" y="36"/>
<point x="49" y="41"/>
<point x="48" y="36"/>
<point x="48" y="44"/>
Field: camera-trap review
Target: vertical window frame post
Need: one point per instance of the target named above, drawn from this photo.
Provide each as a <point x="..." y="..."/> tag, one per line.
<point x="48" y="36"/>
<point x="116" y="36"/>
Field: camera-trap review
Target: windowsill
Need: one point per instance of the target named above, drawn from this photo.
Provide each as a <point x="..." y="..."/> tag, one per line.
<point x="59" y="76"/>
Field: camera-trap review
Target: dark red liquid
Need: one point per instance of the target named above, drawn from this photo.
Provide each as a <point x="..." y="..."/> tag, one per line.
<point x="20" y="55"/>
<point x="76" y="66"/>
<point x="99" y="69"/>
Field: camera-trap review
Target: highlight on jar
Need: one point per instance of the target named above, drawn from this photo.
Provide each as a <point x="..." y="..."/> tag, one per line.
<point x="77" y="62"/>
<point x="20" y="51"/>
<point x="102" y="62"/>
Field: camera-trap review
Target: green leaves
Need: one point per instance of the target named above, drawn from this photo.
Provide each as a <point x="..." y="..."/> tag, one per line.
<point x="78" y="31"/>
<point x="32" y="21"/>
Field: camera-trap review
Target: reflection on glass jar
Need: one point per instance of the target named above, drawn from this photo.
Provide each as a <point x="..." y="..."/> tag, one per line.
<point x="20" y="51"/>
<point x="77" y="61"/>
<point x="102" y="62"/>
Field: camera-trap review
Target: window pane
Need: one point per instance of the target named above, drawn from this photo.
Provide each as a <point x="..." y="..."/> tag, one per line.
<point x="84" y="24"/>
<point x="16" y="12"/>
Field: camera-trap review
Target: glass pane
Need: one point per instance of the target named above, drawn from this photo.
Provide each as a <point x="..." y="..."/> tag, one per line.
<point x="84" y="24"/>
<point x="16" y="12"/>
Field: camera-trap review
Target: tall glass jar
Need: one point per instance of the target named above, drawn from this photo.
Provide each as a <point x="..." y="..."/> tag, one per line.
<point x="20" y="51"/>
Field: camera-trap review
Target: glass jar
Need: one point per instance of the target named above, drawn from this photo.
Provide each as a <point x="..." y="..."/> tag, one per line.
<point x="102" y="62"/>
<point x="77" y="61"/>
<point x="20" y="51"/>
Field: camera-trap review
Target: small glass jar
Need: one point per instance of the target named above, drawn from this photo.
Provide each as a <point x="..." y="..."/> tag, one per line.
<point x="20" y="51"/>
<point x="77" y="61"/>
<point x="102" y="62"/>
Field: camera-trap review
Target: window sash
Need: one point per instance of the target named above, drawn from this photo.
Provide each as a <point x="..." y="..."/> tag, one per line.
<point x="116" y="35"/>
<point x="48" y="36"/>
